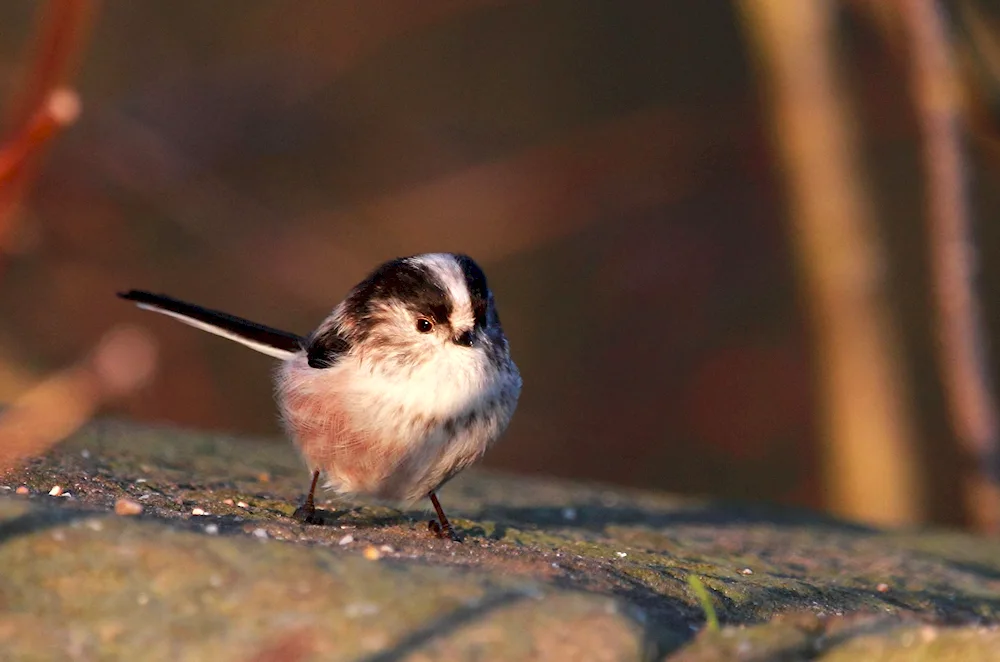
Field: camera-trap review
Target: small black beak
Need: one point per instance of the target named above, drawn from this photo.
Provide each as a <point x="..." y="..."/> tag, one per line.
<point x="465" y="339"/>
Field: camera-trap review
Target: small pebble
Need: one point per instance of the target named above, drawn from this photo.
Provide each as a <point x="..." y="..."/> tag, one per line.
<point x="127" y="507"/>
<point x="746" y="571"/>
<point x="346" y="540"/>
<point x="882" y="588"/>
<point x="55" y="491"/>
<point x="67" y="495"/>
<point x="259" y="533"/>
<point x="140" y="480"/>
<point x="621" y="555"/>
<point x="6" y="488"/>
<point x="228" y="502"/>
<point x="198" y="511"/>
<point x="85" y="454"/>
<point x="242" y="504"/>
<point x="386" y="549"/>
<point x="372" y="554"/>
<point x="212" y="529"/>
<point x="22" y="489"/>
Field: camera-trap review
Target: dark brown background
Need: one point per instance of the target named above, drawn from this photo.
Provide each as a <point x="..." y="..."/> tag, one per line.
<point x="606" y="162"/>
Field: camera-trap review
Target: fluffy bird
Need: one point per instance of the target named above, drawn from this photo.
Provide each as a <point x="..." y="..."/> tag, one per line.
<point x="405" y="384"/>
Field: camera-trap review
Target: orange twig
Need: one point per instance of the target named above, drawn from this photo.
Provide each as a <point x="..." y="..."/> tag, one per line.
<point x="60" y="35"/>
<point x="968" y="389"/>
<point x="44" y="105"/>
<point x="61" y="109"/>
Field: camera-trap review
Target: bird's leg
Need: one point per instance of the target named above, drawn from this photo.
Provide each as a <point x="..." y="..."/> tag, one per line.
<point x="441" y="528"/>
<point x="307" y="511"/>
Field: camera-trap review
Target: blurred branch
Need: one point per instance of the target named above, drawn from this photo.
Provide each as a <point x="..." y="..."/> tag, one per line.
<point x="42" y="106"/>
<point x="123" y="360"/>
<point x="981" y="33"/>
<point x="60" y="109"/>
<point x="870" y="465"/>
<point x="935" y="87"/>
<point x="62" y="27"/>
<point x="980" y="57"/>
<point x="882" y="15"/>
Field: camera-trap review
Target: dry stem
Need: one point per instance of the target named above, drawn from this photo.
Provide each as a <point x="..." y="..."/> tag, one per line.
<point x="870" y="466"/>
<point x="967" y="385"/>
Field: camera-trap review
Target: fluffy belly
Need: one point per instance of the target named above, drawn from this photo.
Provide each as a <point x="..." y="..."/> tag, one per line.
<point x="391" y="438"/>
<point x="352" y="460"/>
<point x="401" y="455"/>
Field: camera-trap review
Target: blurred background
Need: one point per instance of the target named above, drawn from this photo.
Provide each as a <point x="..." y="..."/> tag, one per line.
<point x="625" y="172"/>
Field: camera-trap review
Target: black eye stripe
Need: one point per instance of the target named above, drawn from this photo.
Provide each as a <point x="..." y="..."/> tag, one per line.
<point x="439" y="313"/>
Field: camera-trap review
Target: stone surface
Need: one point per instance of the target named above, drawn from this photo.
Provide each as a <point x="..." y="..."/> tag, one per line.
<point x="547" y="570"/>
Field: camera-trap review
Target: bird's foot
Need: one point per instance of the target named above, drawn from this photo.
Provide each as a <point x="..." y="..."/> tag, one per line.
<point x="307" y="514"/>
<point x="446" y="533"/>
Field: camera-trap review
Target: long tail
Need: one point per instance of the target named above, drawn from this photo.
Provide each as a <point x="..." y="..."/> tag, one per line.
<point x="264" y="339"/>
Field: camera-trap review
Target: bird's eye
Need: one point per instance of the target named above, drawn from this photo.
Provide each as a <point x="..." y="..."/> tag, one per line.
<point x="424" y="325"/>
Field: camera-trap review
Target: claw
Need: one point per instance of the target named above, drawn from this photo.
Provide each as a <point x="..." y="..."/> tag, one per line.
<point x="445" y="534"/>
<point x="307" y="515"/>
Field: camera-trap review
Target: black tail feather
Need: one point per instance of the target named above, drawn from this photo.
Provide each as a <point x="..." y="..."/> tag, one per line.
<point x="237" y="328"/>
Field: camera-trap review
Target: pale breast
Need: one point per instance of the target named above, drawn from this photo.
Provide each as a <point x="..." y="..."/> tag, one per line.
<point x="392" y="438"/>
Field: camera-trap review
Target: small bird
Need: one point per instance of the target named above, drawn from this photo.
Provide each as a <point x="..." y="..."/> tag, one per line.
<point x="405" y="384"/>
